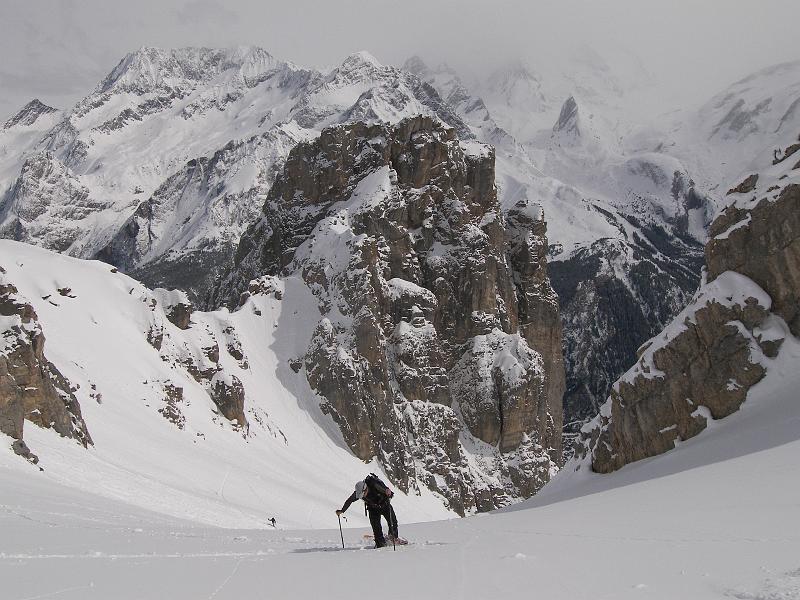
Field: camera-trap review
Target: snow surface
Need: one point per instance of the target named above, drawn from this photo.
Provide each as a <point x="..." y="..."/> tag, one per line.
<point x="715" y="518"/>
<point x="292" y="464"/>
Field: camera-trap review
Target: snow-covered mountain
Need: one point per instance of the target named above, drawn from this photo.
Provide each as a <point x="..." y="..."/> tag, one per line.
<point x="392" y="312"/>
<point x="734" y="133"/>
<point x="628" y="205"/>
<point x="438" y="342"/>
<point x="712" y="518"/>
<point x="161" y="168"/>
<point x="671" y="179"/>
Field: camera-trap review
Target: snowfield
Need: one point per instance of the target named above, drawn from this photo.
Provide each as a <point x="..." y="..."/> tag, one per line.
<point x="718" y="517"/>
<point x="287" y="466"/>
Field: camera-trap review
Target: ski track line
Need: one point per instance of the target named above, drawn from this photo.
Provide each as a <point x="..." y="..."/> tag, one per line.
<point x="57" y="592"/>
<point x="10" y="511"/>
<point x="95" y="524"/>
<point x="100" y="555"/>
<point x="227" y="579"/>
<point x="221" y="492"/>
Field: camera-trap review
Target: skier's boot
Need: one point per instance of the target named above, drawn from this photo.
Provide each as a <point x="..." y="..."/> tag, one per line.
<point x="380" y="542"/>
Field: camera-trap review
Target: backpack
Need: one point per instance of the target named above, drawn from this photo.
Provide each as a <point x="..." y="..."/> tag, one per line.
<point x="374" y="481"/>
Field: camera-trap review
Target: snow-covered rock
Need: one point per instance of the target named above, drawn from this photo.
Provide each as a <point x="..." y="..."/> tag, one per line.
<point x="704" y="364"/>
<point x="29" y="114"/>
<point x="31" y="387"/>
<point x="436" y="343"/>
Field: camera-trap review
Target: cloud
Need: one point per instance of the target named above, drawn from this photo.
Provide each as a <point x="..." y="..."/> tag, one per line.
<point x="205" y="12"/>
<point x="692" y="49"/>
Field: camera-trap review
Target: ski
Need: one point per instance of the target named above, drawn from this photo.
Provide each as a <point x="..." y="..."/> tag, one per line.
<point x="398" y="540"/>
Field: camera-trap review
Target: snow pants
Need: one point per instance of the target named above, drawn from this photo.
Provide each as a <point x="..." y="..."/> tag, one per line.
<point x="375" y="515"/>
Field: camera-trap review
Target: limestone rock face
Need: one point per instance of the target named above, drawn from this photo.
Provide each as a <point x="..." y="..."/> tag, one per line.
<point x="703" y="372"/>
<point x="703" y="364"/>
<point x="31" y="387"/>
<point x="437" y="346"/>
<point x="763" y="242"/>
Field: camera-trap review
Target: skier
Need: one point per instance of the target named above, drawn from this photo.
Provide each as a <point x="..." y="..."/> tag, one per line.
<point x="377" y="500"/>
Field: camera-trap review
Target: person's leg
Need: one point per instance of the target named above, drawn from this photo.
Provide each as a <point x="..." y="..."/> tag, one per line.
<point x="392" y="519"/>
<point x="377" y="529"/>
<point x="388" y="512"/>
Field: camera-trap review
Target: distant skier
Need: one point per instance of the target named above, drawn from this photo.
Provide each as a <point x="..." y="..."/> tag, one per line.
<point x="272" y="520"/>
<point x="377" y="500"/>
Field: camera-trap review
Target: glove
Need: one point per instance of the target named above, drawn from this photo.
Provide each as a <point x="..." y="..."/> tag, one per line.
<point x="338" y="512"/>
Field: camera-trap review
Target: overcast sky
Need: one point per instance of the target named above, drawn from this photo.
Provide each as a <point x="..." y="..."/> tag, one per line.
<point x="57" y="50"/>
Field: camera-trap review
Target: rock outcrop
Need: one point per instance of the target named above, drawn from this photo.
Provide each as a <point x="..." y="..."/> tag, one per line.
<point x="711" y="357"/>
<point x="198" y="350"/>
<point x="31" y="387"/>
<point x="703" y="364"/>
<point x="760" y="238"/>
<point x="437" y="348"/>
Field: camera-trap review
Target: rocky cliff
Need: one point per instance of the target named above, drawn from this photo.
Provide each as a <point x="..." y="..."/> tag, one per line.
<point x="626" y="226"/>
<point x="437" y="342"/>
<point x="703" y="364"/>
<point x="203" y="354"/>
<point x="31" y="387"/>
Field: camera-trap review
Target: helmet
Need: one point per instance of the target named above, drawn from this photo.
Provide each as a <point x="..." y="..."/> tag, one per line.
<point x="361" y="488"/>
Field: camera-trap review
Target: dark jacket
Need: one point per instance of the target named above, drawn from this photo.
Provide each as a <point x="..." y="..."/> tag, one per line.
<point x="378" y="496"/>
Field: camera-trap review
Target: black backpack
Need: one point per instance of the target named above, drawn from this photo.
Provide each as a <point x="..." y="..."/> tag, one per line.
<point x="374" y="481"/>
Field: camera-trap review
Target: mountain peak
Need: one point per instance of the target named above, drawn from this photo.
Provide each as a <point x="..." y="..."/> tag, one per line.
<point x="357" y="66"/>
<point x="362" y="57"/>
<point x="150" y="67"/>
<point x="29" y="113"/>
<point x="568" y="118"/>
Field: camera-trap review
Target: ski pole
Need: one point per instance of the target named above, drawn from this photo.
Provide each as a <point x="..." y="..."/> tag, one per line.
<point x="340" y="529"/>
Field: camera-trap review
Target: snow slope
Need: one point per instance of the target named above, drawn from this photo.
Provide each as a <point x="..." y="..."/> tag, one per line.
<point x="291" y="461"/>
<point x="715" y="518"/>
